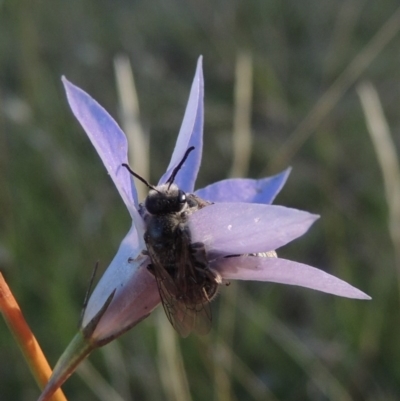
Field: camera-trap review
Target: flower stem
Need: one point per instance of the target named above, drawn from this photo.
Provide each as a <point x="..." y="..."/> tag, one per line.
<point x="25" y="338"/>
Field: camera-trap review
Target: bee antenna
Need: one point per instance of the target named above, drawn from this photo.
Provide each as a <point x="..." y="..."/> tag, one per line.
<point x="139" y="177"/>
<point x="178" y="167"/>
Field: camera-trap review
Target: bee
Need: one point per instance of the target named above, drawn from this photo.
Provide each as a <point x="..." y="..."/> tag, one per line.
<point x="185" y="281"/>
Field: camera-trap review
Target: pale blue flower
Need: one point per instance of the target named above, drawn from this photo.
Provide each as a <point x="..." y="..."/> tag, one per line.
<point x="240" y="222"/>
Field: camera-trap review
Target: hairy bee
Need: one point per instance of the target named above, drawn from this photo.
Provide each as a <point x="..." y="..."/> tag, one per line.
<point x="185" y="281"/>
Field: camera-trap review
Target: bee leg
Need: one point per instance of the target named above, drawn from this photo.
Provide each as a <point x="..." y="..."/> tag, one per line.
<point x="150" y="268"/>
<point x="198" y="251"/>
<point x="213" y="276"/>
<point x="201" y="263"/>
<point x="196" y="245"/>
<point x="144" y="252"/>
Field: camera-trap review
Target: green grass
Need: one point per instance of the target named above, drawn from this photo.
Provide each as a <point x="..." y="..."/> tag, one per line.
<point x="60" y="212"/>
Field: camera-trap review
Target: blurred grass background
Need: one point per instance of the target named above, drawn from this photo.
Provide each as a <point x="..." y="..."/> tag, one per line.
<point x="60" y="213"/>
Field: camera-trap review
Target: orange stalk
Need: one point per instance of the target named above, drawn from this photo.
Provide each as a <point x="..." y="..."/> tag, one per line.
<point x="26" y="340"/>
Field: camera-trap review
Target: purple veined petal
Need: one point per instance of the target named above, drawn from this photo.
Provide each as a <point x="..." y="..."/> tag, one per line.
<point x="245" y="189"/>
<point x="190" y="134"/>
<point x="285" y="272"/>
<point x="136" y="292"/>
<point x="239" y="228"/>
<point x="106" y="136"/>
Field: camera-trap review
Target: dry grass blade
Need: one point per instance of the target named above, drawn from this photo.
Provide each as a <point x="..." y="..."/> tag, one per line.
<point x="118" y="371"/>
<point x="171" y="367"/>
<point x="387" y="158"/>
<point x="170" y="362"/>
<point x="96" y="383"/>
<point x="232" y="363"/>
<point x="129" y="104"/>
<point x="242" y="143"/>
<point x="323" y="380"/>
<point x="331" y="97"/>
<point x="242" y="139"/>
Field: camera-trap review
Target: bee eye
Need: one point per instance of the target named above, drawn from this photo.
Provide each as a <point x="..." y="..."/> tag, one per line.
<point x="182" y="197"/>
<point x="192" y="202"/>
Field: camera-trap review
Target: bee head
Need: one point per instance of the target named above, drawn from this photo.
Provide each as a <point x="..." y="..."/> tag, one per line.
<point x="168" y="198"/>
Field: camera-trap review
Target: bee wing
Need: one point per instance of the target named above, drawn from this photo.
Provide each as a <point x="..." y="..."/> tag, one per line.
<point x="185" y="317"/>
<point x="194" y="311"/>
<point x="186" y="305"/>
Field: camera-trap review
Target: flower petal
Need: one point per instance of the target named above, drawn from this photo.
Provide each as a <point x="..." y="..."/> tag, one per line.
<point x="106" y="136"/>
<point x="239" y="228"/>
<point x="245" y="189"/>
<point x="285" y="272"/>
<point x="190" y="134"/>
<point x="136" y="293"/>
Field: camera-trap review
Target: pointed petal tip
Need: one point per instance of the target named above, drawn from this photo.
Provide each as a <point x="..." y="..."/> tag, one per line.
<point x="285" y="271"/>
<point x="351" y="292"/>
<point x="190" y="134"/>
<point x="71" y="90"/>
<point x="67" y="84"/>
<point x="77" y="350"/>
<point x="287" y="171"/>
<point x="199" y="71"/>
<point x="362" y="296"/>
